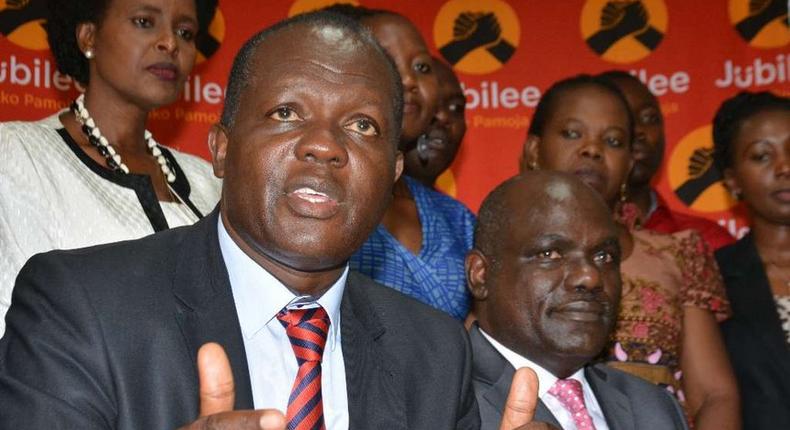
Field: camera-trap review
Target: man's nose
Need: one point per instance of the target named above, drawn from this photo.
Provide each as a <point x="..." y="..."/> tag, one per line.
<point x="323" y="145"/>
<point x="584" y="275"/>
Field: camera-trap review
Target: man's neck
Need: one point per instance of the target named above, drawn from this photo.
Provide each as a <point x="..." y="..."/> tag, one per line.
<point x="299" y="282"/>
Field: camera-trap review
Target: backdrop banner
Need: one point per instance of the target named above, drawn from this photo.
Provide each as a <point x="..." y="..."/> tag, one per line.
<point x="691" y="54"/>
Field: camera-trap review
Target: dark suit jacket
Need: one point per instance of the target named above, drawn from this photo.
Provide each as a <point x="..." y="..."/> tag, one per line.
<point x="754" y="338"/>
<point x="106" y="338"/>
<point x="627" y="401"/>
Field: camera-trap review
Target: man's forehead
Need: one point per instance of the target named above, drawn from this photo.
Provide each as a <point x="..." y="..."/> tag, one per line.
<point x="312" y="48"/>
<point x="316" y="38"/>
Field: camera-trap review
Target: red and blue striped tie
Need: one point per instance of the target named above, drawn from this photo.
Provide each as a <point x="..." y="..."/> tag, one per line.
<point x="307" y="330"/>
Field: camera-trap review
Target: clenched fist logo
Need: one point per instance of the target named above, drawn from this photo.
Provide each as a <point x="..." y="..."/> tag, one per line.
<point x="623" y="30"/>
<point x="476" y="37"/>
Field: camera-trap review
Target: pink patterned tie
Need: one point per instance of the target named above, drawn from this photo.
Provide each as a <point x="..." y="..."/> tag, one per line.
<point x="569" y="392"/>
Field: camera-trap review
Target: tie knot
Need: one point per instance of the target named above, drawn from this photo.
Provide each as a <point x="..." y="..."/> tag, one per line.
<point x="569" y="392"/>
<point x="307" y="330"/>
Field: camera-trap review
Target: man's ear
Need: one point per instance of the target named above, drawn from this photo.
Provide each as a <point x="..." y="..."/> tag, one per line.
<point x="398" y="165"/>
<point x="218" y="145"/>
<point x="529" y="154"/>
<point x="731" y="183"/>
<point x="86" y="36"/>
<point x="475" y="266"/>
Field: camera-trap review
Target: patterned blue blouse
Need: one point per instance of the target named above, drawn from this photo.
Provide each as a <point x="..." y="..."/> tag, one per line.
<point x="435" y="276"/>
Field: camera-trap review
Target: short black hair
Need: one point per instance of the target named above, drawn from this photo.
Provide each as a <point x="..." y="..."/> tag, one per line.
<point x="731" y="115"/>
<point x="549" y="99"/>
<point x="491" y="222"/>
<point x="240" y="71"/>
<point x="358" y="13"/>
<point x="63" y="16"/>
<point x="616" y="74"/>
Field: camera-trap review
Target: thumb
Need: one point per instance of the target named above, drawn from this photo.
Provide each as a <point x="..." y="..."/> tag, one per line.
<point x="521" y="401"/>
<point x="217" y="391"/>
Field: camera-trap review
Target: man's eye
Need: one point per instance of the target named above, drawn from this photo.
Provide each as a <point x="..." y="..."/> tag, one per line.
<point x="363" y="126"/>
<point x="548" y="254"/>
<point x="423" y="67"/>
<point x="614" y="142"/>
<point x="284" y="114"/>
<point x="142" y="22"/>
<point x="604" y="257"/>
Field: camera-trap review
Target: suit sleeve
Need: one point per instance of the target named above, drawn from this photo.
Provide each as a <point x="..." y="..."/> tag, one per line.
<point x="53" y="368"/>
<point x="469" y="415"/>
<point x="678" y="415"/>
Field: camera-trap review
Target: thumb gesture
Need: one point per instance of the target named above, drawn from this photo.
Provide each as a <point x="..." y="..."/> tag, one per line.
<point x="217" y="396"/>
<point x="521" y="401"/>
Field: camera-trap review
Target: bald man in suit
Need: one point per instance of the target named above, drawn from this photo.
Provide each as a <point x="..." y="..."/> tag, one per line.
<point x="545" y="277"/>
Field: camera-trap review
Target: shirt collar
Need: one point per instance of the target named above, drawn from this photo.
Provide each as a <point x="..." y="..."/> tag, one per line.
<point x="259" y="296"/>
<point x="546" y="379"/>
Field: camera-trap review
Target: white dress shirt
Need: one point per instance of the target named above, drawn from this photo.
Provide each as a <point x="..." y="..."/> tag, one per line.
<point x="546" y="380"/>
<point x="259" y="296"/>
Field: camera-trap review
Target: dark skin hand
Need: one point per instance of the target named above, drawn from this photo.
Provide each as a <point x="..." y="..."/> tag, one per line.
<point x="217" y="397"/>
<point x="217" y="394"/>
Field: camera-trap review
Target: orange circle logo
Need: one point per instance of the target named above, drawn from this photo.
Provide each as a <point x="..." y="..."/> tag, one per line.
<point x="476" y="37"/>
<point x="22" y="23"/>
<point x="303" y="6"/>
<point x="446" y="183"/>
<point x="624" y="31"/>
<point x="694" y="177"/>
<point x="761" y="23"/>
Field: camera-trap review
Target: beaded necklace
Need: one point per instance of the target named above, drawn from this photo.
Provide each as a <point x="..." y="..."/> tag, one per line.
<point x="104" y="147"/>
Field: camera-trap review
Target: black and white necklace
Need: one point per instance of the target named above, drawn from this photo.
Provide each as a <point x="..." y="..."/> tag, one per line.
<point x="104" y="147"/>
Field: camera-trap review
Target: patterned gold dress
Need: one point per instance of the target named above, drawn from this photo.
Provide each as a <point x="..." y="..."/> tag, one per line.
<point x="664" y="274"/>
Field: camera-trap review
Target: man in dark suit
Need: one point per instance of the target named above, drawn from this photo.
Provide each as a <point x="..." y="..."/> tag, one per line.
<point x="145" y="334"/>
<point x="545" y="277"/>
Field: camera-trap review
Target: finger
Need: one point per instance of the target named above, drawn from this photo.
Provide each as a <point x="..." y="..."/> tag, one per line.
<point x="264" y="419"/>
<point x="217" y="391"/>
<point x="521" y="401"/>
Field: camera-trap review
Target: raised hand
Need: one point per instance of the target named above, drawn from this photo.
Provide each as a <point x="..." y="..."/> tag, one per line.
<point x="624" y="17"/>
<point x="217" y="395"/>
<point x="474" y="30"/>
<point x="521" y="403"/>
<point x="482" y="29"/>
<point x="699" y="163"/>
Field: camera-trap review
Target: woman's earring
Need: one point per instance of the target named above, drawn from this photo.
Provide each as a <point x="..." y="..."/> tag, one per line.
<point x="623" y="192"/>
<point x="89" y="53"/>
<point x="533" y="165"/>
<point x="736" y="194"/>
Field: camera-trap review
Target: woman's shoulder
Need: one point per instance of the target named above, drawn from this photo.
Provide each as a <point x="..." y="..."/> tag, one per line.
<point x="25" y="129"/>
<point x="28" y="140"/>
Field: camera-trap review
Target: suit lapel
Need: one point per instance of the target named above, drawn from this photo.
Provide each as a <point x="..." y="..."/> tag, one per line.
<point x="614" y="403"/>
<point x="206" y="310"/>
<point x="375" y="392"/>
<point x="492" y="371"/>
